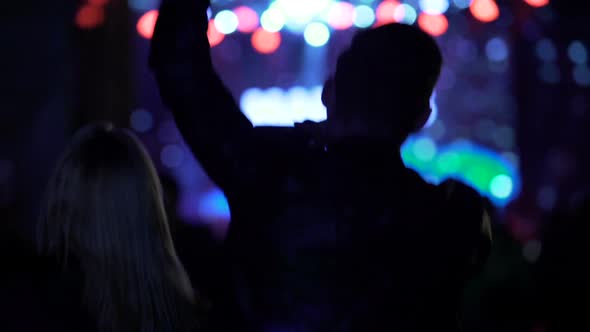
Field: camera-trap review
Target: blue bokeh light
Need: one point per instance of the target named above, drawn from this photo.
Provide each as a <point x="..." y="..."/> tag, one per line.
<point x="497" y="49"/>
<point x="434" y="7"/>
<point x="213" y="206"/>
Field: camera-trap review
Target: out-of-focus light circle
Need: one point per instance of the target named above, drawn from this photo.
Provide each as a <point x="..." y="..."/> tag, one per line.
<point x="90" y="17"/>
<point x="385" y="12"/>
<point x="485" y="10"/>
<point x="98" y="2"/>
<point x="213" y="206"/>
<point x="577" y="52"/>
<point x="582" y="75"/>
<point x="215" y="37"/>
<point x="363" y="16"/>
<point x="266" y="42"/>
<point x="146" y="24"/>
<point x="247" y="19"/>
<point x="501" y="186"/>
<point x="434" y="7"/>
<point x="405" y="13"/>
<point x="141" y="121"/>
<point x="424" y="149"/>
<point x="209" y="13"/>
<point x="435" y="25"/>
<point x="549" y="73"/>
<point x="316" y="34"/>
<point x="226" y="22"/>
<point x="537" y="3"/>
<point x="172" y="156"/>
<point x="496" y="49"/>
<point x="462" y="4"/>
<point x="341" y="15"/>
<point x="546" y="50"/>
<point x="272" y="20"/>
<point x="300" y="12"/>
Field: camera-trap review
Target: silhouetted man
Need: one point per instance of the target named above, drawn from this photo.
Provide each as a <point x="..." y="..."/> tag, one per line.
<point x="330" y="232"/>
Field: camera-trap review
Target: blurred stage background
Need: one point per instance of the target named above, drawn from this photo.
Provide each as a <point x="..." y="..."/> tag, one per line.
<point x="511" y="109"/>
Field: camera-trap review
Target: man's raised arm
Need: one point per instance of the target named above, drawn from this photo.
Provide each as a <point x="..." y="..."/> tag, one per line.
<point x="205" y="112"/>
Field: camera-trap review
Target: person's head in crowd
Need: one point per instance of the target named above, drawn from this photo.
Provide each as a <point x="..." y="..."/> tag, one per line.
<point x="383" y="83"/>
<point x="104" y="212"/>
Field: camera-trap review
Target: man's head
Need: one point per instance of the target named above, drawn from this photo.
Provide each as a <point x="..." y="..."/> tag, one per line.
<point x="384" y="81"/>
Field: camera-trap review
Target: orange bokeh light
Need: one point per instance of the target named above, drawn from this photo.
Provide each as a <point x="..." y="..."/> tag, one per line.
<point x="435" y="25"/>
<point x="537" y="3"/>
<point x="147" y="23"/>
<point x="266" y="42"/>
<point x="215" y="36"/>
<point x="247" y="19"/>
<point x="385" y="12"/>
<point x="89" y="17"/>
<point x="485" y="10"/>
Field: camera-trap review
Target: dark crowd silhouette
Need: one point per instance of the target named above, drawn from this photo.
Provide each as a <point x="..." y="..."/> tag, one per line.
<point x="329" y="232"/>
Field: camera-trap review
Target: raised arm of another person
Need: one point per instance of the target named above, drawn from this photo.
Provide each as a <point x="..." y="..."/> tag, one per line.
<point x="205" y="112"/>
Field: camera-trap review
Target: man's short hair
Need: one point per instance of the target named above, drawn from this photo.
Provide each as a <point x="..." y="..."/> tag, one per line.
<point x="386" y="72"/>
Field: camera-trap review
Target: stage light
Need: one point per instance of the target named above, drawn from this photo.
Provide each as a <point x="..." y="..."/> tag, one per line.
<point x="272" y="20"/>
<point x="266" y="42"/>
<point x="247" y="19"/>
<point x="316" y="34"/>
<point x="406" y="14"/>
<point x="363" y="16"/>
<point x="434" y="7"/>
<point x="141" y="121"/>
<point x="301" y="12"/>
<point x="501" y="186"/>
<point x="537" y="3"/>
<point x="213" y="35"/>
<point x="385" y="12"/>
<point x="341" y="15"/>
<point x="577" y="52"/>
<point x="424" y="149"/>
<point x="213" y="206"/>
<point x="546" y="50"/>
<point x="435" y="25"/>
<point x="496" y="49"/>
<point x="485" y="10"/>
<point x="89" y="17"/>
<point x="146" y="24"/>
<point x="172" y="156"/>
<point x="226" y="22"/>
<point x="462" y="4"/>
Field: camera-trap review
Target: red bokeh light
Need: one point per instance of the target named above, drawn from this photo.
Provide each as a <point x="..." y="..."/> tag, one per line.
<point x="89" y="17"/>
<point x="98" y="2"/>
<point x="385" y="12"/>
<point x="485" y="10"/>
<point x="266" y="42"/>
<point x="537" y="3"/>
<point x="247" y="19"/>
<point x="146" y="24"/>
<point x="215" y="36"/>
<point x="435" y="25"/>
<point x="341" y="16"/>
